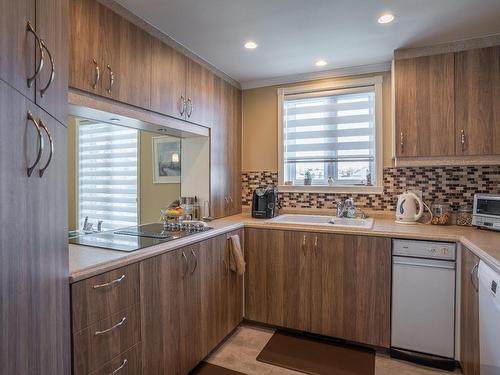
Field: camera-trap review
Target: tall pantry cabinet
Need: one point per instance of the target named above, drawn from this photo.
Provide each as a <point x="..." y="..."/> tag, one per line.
<point x="34" y="291"/>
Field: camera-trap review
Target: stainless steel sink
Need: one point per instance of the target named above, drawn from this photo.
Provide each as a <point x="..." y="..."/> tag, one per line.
<point x="324" y="220"/>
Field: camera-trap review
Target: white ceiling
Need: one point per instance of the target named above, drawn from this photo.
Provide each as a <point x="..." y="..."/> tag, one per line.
<point x="293" y="34"/>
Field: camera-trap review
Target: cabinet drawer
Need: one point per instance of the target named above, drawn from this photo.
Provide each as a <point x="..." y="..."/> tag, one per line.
<point x="100" y="296"/>
<point x="128" y="363"/>
<point x="104" y="340"/>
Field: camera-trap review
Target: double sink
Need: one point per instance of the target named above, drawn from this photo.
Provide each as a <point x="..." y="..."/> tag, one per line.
<point x="324" y="220"/>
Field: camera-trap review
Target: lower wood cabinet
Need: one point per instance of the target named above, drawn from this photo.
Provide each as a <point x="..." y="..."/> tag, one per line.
<point x="190" y="301"/>
<point x="329" y="284"/>
<point x="469" y="312"/>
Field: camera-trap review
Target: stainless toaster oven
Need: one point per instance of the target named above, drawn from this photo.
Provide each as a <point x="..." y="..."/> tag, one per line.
<point x="486" y="213"/>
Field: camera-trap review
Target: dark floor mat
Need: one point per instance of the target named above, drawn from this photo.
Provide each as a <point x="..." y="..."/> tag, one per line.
<point x="205" y="368"/>
<point x="318" y="357"/>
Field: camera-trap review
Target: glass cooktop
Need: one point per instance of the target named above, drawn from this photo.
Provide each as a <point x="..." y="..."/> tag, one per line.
<point x="138" y="237"/>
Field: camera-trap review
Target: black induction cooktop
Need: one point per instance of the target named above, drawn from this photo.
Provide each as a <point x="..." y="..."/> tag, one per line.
<point x="138" y="237"/>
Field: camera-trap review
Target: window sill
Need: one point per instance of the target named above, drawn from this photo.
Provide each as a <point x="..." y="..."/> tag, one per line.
<point x="331" y="189"/>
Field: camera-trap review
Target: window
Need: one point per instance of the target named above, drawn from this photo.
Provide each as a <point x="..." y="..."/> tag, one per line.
<point x="331" y="134"/>
<point x="107" y="178"/>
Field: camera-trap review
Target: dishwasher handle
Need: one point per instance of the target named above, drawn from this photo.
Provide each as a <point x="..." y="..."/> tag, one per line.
<point x="417" y="262"/>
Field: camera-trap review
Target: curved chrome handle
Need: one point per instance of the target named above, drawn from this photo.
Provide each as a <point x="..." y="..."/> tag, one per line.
<point x="316" y="244"/>
<point x="231" y="200"/>
<point x="472" y="271"/>
<point x="97" y="333"/>
<point x="97" y="74"/>
<point x="40" y="143"/>
<point x="111" y="79"/>
<point x="196" y="261"/>
<point x="51" y="142"/>
<point x="40" y="48"/>
<point x="119" y="280"/>
<point x="304" y="243"/>
<point x="183" y="105"/>
<point x="124" y="363"/>
<point x="401" y="142"/>
<point x="186" y="265"/>
<point x="190" y="107"/>
<point x="52" y="70"/>
<point x="462" y="139"/>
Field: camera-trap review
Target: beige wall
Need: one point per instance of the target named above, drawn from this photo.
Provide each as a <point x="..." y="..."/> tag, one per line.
<point x="152" y="196"/>
<point x="260" y="124"/>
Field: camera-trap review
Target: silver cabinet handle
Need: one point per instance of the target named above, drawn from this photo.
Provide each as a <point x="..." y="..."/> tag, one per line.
<point x="124" y="363"/>
<point x="51" y="142"/>
<point x="231" y="200"/>
<point x="316" y="243"/>
<point x="190" y="107"/>
<point x="120" y="323"/>
<point x="462" y="139"/>
<point x="97" y="77"/>
<point x="40" y="143"/>
<point x="402" y="142"/>
<point x="195" y="259"/>
<point x="183" y="105"/>
<point x="472" y="272"/>
<point x="186" y="265"/>
<point x="52" y="70"/>
<point x="227" y="200"/>
<point x="39" y="42"/>
<point x="111" y="79"/>
<point x="119" y="280"/>
<point x="304" y="243"/>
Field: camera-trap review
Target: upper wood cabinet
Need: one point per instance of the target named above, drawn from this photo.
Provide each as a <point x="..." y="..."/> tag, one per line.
<point x="424" y="102"/>
<point x="33" y="58"/>
<point x="225" y="151"/>
<point x="200" y="98"/>
<point x="477" y="81"/>
<point x="168" y="80"/>
<point x="469" y="314"/>
<point x="447" y="104"/>
<point x="110" y="56"/>
<point x="334" y="285"/>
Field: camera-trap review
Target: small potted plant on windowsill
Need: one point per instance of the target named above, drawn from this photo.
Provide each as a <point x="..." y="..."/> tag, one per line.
<point x="308" y="177"/>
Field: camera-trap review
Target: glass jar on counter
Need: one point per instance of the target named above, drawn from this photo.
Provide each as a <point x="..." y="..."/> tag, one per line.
<point x="441" y="213"/>
<point x="464" y="215"/>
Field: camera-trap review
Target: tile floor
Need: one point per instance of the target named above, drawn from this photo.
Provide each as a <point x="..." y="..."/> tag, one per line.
<point x="238" y="353"/>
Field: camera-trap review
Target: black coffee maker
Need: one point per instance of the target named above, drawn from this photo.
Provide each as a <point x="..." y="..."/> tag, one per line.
<point x="265" y="203"/>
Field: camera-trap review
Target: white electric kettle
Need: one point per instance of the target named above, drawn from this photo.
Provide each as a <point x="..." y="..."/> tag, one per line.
<point x="406" y="209"/>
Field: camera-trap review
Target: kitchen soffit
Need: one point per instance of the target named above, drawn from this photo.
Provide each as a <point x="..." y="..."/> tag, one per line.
<point x="293" y="34"/>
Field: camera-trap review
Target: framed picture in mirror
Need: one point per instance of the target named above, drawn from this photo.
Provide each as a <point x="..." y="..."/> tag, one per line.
<point x="166" y="160"/>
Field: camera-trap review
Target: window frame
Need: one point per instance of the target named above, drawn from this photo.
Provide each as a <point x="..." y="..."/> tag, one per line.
<point x="376" y="83"/>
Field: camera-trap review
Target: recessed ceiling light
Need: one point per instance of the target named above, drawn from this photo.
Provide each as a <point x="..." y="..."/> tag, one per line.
<point x="250" y="45"/>
<point x="386" y="18"/>
<point x="321" y="63"/>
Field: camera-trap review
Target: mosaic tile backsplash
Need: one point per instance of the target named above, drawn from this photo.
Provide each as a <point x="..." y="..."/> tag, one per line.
<point x="452" y="184"/>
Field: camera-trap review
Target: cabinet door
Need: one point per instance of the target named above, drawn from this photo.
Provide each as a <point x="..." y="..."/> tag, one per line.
<point x="52" y="84"/>
<point x="168" y="80"/>
<point x="161" y="277"/>
<point x="17" y="46"/>
<point x="218" y="152"/>
<point x="200" y="94"/>
<point x="425" y="106"/>
<point x="278" y="279"/>
<point x="351" y="288"/>
<point x="34" y="318"/>
<point x="234" y="151"/>
<point x="469" y="308"/>
<point x="85" y="64"/>
<point x="190" y="346"/>
<point x="477" y="112"/>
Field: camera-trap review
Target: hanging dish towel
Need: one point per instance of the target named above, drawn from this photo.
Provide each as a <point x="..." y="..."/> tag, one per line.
<point x="236" y="260"/>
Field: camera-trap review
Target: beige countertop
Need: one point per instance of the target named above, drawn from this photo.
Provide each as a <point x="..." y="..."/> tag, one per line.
<point x="86" y="261"/>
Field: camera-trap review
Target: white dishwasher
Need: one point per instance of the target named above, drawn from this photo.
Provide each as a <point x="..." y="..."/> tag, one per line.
<point x="489" y="320"/>
<point x="423" y="301"/>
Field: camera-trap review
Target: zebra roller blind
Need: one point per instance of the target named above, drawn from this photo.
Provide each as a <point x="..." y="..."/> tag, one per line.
<point x="107" y="178"/>
<point x="330" y="134"/>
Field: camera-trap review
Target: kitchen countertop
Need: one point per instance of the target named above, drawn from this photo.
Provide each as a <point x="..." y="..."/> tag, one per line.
<point x="85" y="262"/>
